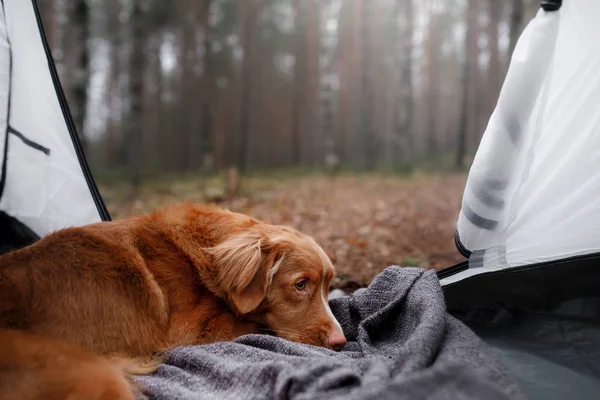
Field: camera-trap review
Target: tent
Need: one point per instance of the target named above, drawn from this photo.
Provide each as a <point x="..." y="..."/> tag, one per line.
<point x="529" y="222"/>
<point x="530" y="219"/>
<point x="44" y="171"/>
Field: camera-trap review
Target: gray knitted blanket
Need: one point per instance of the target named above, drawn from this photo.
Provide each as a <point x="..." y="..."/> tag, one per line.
<point x="401" y="344"/>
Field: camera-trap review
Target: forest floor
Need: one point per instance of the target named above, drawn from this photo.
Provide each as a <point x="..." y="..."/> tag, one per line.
<point x="364" y="222"/>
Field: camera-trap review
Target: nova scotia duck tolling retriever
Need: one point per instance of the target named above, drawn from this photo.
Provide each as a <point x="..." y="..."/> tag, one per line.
<point x="85" y="307"/>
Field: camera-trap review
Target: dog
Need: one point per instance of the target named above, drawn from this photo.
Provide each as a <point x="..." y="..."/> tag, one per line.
<point x="185" y="274"/>
<point x="40" y="367"/>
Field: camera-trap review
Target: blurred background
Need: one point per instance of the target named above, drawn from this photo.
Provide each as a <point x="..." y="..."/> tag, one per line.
<point x="353" y="120"/>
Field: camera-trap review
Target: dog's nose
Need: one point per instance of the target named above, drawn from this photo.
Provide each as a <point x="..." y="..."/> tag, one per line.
<point x="337" y="341"/>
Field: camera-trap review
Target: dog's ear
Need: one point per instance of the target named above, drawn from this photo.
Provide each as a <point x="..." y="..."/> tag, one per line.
<point x="242" y="263"/>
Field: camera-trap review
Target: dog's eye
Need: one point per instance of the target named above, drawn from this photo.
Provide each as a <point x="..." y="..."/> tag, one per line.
<point x="301" y="285"/>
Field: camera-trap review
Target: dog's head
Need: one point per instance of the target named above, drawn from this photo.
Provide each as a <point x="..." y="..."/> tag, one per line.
<point x="280" y="278"/>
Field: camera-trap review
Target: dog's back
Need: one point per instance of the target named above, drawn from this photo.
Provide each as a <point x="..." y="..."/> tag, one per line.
<point x="46" y="294"/>
<point x="74" y="291"/>
<point x="39" y="367"/>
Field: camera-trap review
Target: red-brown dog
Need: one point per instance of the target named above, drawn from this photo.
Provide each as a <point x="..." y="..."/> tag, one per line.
<point x="184" y="275"/>
<point x="40" y="367"/>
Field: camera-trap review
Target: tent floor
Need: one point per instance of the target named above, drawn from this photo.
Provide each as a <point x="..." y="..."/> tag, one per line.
<point x="554" y="355"/>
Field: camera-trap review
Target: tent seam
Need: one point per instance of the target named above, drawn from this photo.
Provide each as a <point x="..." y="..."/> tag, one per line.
<point x="85" y="169"/>
<point x="6" y="141"/>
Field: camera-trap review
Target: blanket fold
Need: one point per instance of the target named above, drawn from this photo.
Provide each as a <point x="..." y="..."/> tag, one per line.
<point x="401" y="344"/>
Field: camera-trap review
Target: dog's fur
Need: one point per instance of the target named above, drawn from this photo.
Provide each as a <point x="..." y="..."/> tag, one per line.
<point x="40" y="367"/>
<point x="183" y="275"/>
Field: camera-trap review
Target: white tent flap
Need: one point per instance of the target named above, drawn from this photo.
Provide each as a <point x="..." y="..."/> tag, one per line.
<point x="532" y="189"/>
<point x="45" y="185"/>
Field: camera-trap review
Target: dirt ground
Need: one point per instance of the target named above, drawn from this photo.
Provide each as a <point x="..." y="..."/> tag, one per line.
<point x="365" y="223"/>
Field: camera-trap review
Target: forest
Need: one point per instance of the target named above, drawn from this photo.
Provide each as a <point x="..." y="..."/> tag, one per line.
<point x="352" y="120"/>
<point x="202" y="85"/>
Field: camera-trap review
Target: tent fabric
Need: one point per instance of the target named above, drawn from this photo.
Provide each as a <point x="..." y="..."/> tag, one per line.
<point x="535" y="287"/>
<point x="554" y="354"/>
<point x="45" y="181"/>
<point x="531" y="191"/>
<point x="529" y="223"/>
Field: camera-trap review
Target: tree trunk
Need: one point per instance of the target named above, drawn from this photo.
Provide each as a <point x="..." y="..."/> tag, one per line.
<point x="48" y="11"/>
<point x="312" y="116"/>
<point x="329" y="51"/>
<point x="367" y="134"/>
<point x="152" y="106"/>
<point x="80" y="22"/>
<point x="403" y="146"/>
<point x="136" y="81"/>
<point x="531" y="9"/>
<point x="262" y="54"/>
<point x="494" y="79"/>
<point x="515" y="24"/>
<point x="345" y="69"/>
<point x="299" y="81"/>
<point x="350" y="98"/>
<point x="185" y="137"/>
<point x="248" y="19"/>
<point x="206" y="136"/>
<point x="468" y="79"/>
<point x="433" y="87"/>
<point x="114" y="112"/>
